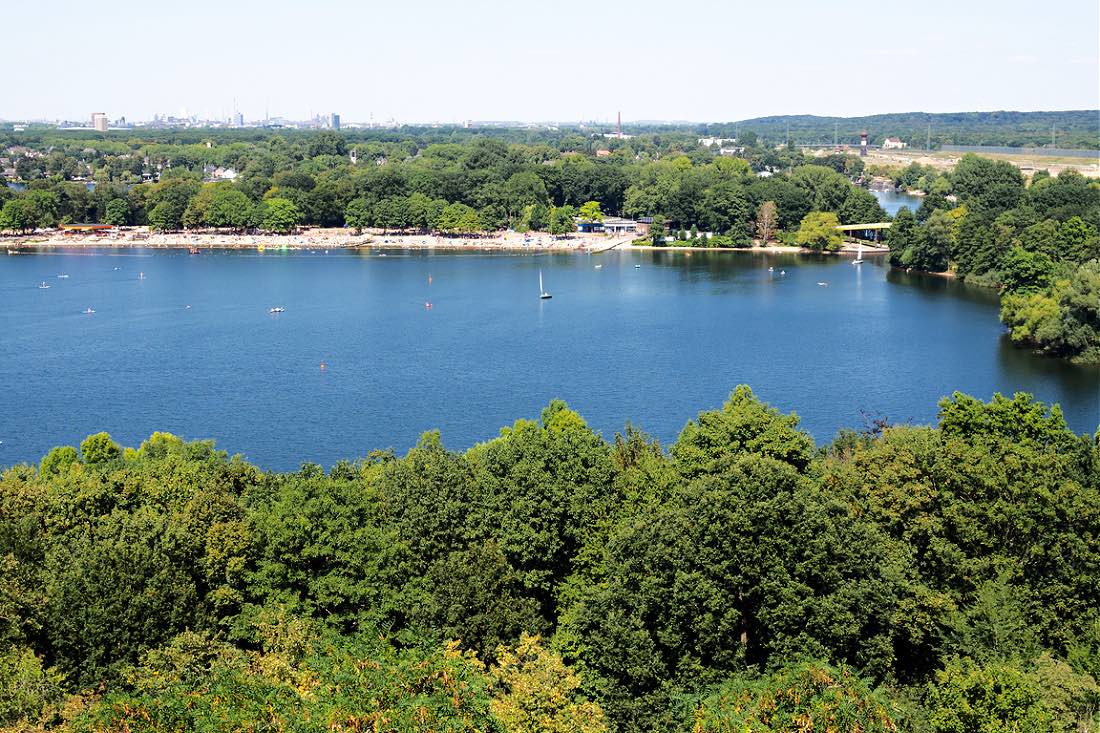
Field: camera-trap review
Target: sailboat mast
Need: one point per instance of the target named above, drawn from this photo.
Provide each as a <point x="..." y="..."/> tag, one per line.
<point x="541" y="291"/>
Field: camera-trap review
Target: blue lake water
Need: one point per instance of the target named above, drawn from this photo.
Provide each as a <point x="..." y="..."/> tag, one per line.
<point x="893" y="201"/>
<point x="652" y="344"/>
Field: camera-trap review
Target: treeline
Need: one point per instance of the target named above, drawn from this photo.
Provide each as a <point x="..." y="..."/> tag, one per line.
<point x="936" y="579"/>
<point x="481" y="184"/>
<point x="1036" y="240"/>
<point x="1071" y="129"/>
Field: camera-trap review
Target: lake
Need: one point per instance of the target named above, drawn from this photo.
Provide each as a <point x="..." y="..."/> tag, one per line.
<point x="893" y="201"/>
<point x="652" y="344"/>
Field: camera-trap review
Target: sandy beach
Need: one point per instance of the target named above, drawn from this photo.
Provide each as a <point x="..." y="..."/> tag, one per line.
<point x="316" y="239"/>
<point x="339" y="238"/>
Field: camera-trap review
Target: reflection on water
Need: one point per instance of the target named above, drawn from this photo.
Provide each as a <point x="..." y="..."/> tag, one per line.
<point x="892" y="201"/>
<point x="938" y="284"/>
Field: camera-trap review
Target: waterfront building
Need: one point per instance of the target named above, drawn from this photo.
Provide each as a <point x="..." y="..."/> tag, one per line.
<point x="99" y="121"/>
<point x="609" y="225"/>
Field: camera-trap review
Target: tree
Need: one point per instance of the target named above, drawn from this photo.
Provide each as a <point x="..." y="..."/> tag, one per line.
<point x="99" y="448"/>
<point x="536" y="217"/>
<point x="524" y="189"/>
<point x="766" y="221"/>
<point x="1023" y="271"/>
<point x="902" y="235"/>
<point x="422" y="212"/>
<point x="459" y="219"/>
<point x="535" y="692"/>
<point x="166" y="217"/>
<point x="590" y="212"/>
<point x="228" y="207"/>
<point x="986" y="184"/>
<point x="28" y="689"/>
<point x="117" y="212"/>
<point x="279" y="215"/>
<point x="58" y="460"/>
<point x="328" y="142"/>
<point x="818" y="230"/>
<point x="726" y="208"/>
<point x="477" y="598"/>
<point x="933" y="244"/>
<point x="358" y="214"/>
<point x="391" y="213"/>
<point x="17" y="214"/>
<point x="810" y="696"/>
<point x="998" y="698"/>
<point x="827" y="188"/>
<point x="562" y="221"/>
<point x="860" y="207"/>
<point x="657" y="231"/>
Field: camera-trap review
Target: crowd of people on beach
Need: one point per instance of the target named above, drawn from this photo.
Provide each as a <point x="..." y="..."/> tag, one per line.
<point x="311" y="238"/>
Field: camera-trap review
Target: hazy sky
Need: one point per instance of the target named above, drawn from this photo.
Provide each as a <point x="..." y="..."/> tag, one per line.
<point x="450" y="60"/>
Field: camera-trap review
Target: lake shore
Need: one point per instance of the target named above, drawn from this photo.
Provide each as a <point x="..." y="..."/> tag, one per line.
<point x="340" y="238"/>
<point x="316" y="239"/>
<point x="845" y="249"/>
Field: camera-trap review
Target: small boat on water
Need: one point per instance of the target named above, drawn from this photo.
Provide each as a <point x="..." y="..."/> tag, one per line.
<point x="771" y="269"/>
<point x="859" y="255"/>
<point x="598" y="266"/>
<point x="141" y="276"/>
<point x="89" y="311"/>
<point x="637" y="266"/>
<point x="63" y="276"/>
<point x="543" y="295"/>
<point x="277" y="309"/>
<point x="193" y="250"/>
<point x="43" y="285"/>
<point x="824" y="285"/>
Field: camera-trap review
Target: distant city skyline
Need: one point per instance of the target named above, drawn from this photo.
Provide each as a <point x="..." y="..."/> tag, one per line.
<point x="490" y="60"/>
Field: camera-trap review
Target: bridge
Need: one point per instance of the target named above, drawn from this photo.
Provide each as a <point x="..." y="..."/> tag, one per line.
<point x="863" y="227"/>
<point x="876" y="227"/>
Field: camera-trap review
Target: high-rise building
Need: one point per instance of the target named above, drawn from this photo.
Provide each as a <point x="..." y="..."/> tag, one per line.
<point x="334" y="121"/>
<point x="99" y="121"/>
<point x="238" y="119"/>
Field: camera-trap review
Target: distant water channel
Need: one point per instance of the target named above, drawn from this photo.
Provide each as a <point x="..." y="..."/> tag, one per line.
<point x="893" y="201"/>
<point x="650" y="337"/>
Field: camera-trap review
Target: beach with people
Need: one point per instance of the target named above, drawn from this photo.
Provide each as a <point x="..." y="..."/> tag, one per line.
<point x="314" y="238"/>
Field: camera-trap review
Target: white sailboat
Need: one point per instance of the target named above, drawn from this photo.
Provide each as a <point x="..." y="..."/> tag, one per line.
<point x="859" y="254"/>
<point x="543" y="295"/>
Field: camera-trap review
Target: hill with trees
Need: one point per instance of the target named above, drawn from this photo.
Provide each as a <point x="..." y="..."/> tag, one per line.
<point x="1072" y="128"/>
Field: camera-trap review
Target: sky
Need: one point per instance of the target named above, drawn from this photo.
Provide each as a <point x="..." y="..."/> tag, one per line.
<point x="453" y="60"/>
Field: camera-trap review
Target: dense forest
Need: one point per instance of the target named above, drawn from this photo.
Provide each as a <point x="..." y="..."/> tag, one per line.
<point x="940" y="579"/>
<point x="1035" y="239"/>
